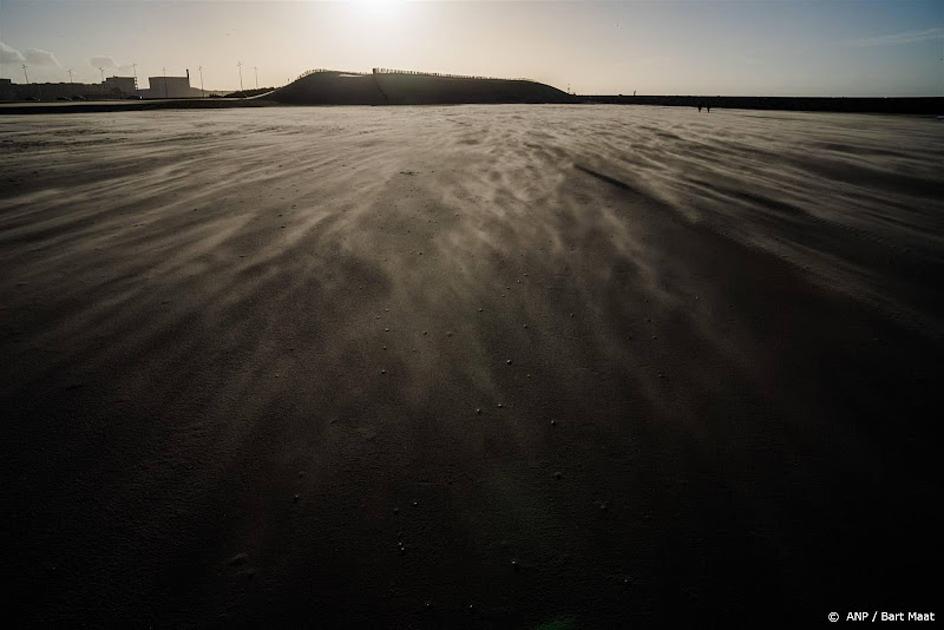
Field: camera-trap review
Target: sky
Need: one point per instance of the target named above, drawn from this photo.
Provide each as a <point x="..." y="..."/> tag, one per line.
<point x="748" y="47"/>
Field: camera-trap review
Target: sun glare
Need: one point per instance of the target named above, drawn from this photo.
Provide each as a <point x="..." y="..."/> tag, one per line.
<point x="377" y="12"/>
<point x="380" y="6"/>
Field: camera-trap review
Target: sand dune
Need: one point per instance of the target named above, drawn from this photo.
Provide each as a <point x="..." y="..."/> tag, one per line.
<point x="479" y="366"/>
<point x="394" y="88"/>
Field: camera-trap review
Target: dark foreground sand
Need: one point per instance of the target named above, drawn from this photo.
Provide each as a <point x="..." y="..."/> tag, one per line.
<point x="470" y="366"/>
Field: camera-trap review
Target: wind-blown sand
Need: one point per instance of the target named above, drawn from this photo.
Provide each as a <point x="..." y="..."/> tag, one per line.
<point x="480" y="365"/>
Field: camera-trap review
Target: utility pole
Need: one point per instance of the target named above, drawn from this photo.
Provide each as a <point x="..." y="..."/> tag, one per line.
<point x="102" y="71"/>
<point x="239" y="66"/>
<point x="25" y="73"/>
<point x="202" y="91"/>
<point x="164" y="78"/>
<point x="70" y="75"/>
<point x="256" y="68"/>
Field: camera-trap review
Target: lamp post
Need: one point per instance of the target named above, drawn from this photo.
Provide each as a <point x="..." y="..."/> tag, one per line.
<point x="239" y="67"/>
<point x="202" y="91"/>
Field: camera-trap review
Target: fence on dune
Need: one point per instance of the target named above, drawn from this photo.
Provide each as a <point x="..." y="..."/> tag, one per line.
<point x="443" y="75"/>
<point x="416" y="73"/>
<point x="320" y="70"/>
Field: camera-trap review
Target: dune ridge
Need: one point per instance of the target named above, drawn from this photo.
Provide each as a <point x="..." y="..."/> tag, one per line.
<point x="328" y="87"/>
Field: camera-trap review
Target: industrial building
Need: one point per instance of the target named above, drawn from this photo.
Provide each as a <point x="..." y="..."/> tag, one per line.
<point x="170" y="87"/>
<point x="111" y="87"/>
<point x="124" y="86"/>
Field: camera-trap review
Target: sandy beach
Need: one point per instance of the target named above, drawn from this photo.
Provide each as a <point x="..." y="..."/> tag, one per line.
<point x="484" y="366"/>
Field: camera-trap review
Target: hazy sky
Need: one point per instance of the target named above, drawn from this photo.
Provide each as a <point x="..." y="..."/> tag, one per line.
<point x="853" y="48"/>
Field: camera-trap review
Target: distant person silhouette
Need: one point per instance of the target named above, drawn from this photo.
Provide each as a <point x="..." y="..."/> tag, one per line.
<point x="699" y="108"/>
<point x="709" y="108"/>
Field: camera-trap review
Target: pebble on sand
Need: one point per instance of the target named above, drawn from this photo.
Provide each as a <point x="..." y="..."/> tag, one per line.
<point x="238" y="559"/>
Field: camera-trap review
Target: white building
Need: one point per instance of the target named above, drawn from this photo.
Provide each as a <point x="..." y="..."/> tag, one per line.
<point x="170" y="87"/>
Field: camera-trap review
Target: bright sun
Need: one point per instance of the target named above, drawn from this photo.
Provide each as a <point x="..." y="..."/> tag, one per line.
<point x="375" y="3"/>
<point x="376" y="8"/>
